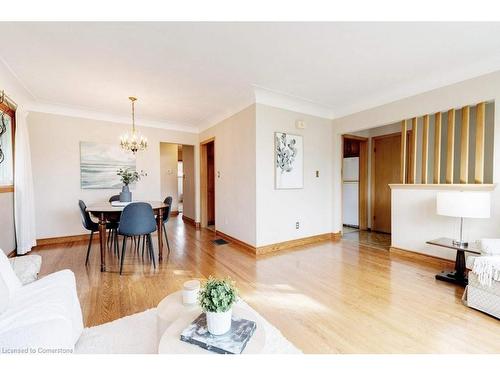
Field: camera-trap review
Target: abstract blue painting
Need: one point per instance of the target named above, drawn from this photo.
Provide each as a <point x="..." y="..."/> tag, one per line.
<point x="99" y="163"/>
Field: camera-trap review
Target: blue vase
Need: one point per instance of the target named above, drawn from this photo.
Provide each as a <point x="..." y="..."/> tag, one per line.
<point x="125" y="195"/>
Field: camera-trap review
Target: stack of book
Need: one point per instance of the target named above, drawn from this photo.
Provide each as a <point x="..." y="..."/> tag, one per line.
<point x="233" y="342"/>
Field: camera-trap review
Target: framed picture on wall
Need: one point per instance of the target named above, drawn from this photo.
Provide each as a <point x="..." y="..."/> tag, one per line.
<point x="99" y="163"/>
<point x="288" y="161"/>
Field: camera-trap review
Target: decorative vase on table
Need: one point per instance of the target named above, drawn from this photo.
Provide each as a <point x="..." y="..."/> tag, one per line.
<point x="128" y="176"/>
<point x="216" y="299"/>
<point x="125" y="195"/>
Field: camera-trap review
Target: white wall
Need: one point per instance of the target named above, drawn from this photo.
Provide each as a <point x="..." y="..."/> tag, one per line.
<point x="189" y="182"/>
<point x="414" y="220"/>
<point x="55" y="152"/>
<point x="279" y="210"/>
<point x="168" y="173"/>
<point x="235" y="188"/>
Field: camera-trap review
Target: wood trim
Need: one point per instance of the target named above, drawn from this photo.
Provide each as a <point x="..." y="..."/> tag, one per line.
<point x="437" y="148"/>
<point x="12" y="114"/>
<point x="464" y="145"/>
<point x="190" y="221"/>
<point x="8" y="110"/>
<point x="404" y="130"/>
<point x="298" y="242"/>
<point x="261" y="250"/>
<point x="414" y="145"/>
<point x="363" y="185"/>
<point x="425" y="149"/>
<point x="356" y="137"/>
<point x="174" y="213"/>
<point x="450" y="146"/>
<point x="362" y="180"/>
<point x="7" y="189"/>
<point x="12" y="254"/>
<point x="465" y="187"/>
<point x="208" y="140"/>
<point x="203" y="182"/>
<point x="479" y="160"/>
<point x="247" y="247"/>
<point x="64" y="239"/>
<point x="336" y="236"/>
<point x="415" y="255"/>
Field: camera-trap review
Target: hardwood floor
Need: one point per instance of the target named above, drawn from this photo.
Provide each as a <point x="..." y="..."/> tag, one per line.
<point x="333" y="297"/>
<point x="368" y="238"/>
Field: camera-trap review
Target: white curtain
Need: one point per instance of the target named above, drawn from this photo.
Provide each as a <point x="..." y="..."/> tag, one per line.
<point x="24" y="202"/>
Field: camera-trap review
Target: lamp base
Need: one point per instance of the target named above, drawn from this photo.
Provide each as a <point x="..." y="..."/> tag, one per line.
<point x="460" y="243"/>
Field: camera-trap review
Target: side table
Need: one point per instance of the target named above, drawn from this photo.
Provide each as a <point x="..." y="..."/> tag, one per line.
<point x="458" y="275"/>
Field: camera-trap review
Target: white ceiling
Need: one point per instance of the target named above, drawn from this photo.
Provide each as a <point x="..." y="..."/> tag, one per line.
<point x="189" y="74"/>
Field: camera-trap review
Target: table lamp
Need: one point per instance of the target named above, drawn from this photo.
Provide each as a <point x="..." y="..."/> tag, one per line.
<point x="463" y="204"/>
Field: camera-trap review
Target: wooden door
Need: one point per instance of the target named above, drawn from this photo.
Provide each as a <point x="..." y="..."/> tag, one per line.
<point x="210" y="183"/>
<point x="386" y="169"/>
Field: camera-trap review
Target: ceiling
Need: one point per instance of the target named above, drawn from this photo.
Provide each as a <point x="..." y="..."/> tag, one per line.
<point x="189" y="74"/>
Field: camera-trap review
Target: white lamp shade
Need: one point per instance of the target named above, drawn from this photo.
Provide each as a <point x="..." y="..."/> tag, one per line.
<point x="473" y="204"/>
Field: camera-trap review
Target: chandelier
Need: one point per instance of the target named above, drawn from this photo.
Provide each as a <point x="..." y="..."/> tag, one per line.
<point x="133" y="142"/>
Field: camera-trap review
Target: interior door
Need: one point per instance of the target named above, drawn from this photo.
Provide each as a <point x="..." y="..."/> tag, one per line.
<point x="210" y="183"/>
<point x="386" y="170"/>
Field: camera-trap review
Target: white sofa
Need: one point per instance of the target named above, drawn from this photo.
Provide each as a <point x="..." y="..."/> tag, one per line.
<point x="40" y="317"/>
<point x="483" y="291"/>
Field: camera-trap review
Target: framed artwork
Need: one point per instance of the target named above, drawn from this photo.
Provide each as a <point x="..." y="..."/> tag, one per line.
<point x="99" y="163"/>
<point x="288" y="161"/>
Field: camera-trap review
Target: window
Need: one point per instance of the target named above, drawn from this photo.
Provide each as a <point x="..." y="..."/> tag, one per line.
<point x="7" y="148"/>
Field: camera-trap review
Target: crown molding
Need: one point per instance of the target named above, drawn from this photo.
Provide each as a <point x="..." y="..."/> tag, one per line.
<point x="214" y="120"/>
<point x="64" y="110"/>
<point x="291" y="103"/>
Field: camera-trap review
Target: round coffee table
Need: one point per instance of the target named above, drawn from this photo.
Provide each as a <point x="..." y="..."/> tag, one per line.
<point x="174" y="317"/>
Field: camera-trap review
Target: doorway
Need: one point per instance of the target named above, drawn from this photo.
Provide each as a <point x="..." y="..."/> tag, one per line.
<point x="177" y="180"/>
<point x="207" y="169"/>
<point x="354" y="182"/>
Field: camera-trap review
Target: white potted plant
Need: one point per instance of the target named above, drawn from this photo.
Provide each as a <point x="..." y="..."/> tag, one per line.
<point x="216" y="299"/>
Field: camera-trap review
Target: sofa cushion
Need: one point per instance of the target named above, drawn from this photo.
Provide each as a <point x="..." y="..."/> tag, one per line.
<point x="8" y="275"/>
<point x="26" y="267"/>
<point x="45" y="314"/>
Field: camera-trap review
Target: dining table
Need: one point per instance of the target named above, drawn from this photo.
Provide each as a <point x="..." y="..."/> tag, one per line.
<point x="106" y="212"/>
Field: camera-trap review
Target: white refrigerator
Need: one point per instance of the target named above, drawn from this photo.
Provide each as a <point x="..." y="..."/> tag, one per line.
<point x="350" y="191"/>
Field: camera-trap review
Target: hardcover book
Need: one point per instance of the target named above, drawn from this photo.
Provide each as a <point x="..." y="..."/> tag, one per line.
<point x="233" y="342"/>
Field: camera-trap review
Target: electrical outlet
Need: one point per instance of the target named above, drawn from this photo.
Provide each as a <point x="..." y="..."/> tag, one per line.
<point x="297" y="225"/>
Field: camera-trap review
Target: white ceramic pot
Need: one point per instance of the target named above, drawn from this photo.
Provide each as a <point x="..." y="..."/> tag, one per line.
<point x="219" y="323"/>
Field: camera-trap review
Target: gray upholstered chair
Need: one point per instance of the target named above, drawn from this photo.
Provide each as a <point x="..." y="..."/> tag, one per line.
<point x="137" y="219"/>
<point x="92" y="226"/>
<point x="166" y="216"/>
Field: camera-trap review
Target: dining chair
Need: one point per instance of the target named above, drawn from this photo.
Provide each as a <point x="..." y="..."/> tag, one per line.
<point x="113" y="232"/>
<point x="137" y="219"/>
<point x="166" y="216"/>
<point x="92" y="227"/>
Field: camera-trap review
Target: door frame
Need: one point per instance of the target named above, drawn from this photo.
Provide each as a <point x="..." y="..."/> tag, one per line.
<point x="363" y="179"/>
<point x="203" y="181"/>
